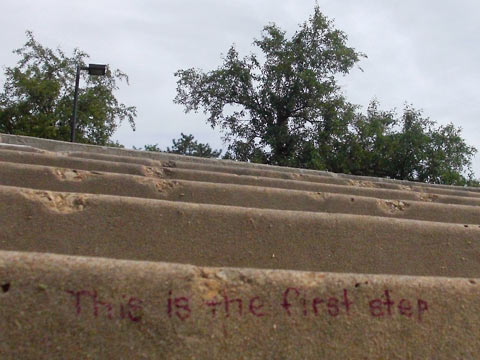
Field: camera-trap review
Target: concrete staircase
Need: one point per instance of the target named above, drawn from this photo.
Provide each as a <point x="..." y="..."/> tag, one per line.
<point x="114" y="253"/>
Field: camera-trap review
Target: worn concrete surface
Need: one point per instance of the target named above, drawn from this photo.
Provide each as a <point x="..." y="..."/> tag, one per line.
<point x="94" y="182"/>
<point x="56" y="307"/>
<point x="161" y="171"/>
<point x="249" y="228"/>
<point x="60" y="146"/>
<point x="212" y="235"/>
<point x="277" y="174"/>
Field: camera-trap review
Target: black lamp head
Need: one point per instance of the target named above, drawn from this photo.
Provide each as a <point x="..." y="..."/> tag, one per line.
<point x="97" y="69"/>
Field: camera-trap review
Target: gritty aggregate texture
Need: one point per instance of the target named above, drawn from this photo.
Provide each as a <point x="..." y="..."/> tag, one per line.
<point x="110" y="253"/>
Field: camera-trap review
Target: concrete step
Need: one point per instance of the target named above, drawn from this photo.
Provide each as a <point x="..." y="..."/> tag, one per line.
<point x="60" y="307"/>
<point x="54" y="160"/>
<point x="227" y="217"/>
<point x="276" y="174"/>
<point x="23" y="148"/>
<point x="81" y="181"/>
<point x="60" y="146"/>
<point x="213" y="235"/>
<point x="378" y="193"/>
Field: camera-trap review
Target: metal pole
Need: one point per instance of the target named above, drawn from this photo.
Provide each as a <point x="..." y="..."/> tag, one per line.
<point x="75" y="100"/>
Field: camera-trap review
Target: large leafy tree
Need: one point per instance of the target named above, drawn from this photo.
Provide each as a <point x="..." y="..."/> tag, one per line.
<point x="37" y="97"/>
<point x="278" y="106"/>
<point x="284" y="107"/>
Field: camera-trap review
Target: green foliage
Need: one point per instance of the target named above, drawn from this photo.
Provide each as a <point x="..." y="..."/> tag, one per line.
<point x="285" y="108"/>
<point x="115" y="143"/>
<point x="274" y="108"/>
<point x="410" y="147"/>
<point x="187" y="145"/>
<point x="150" y="147"/>
<point x="37" y="97"/>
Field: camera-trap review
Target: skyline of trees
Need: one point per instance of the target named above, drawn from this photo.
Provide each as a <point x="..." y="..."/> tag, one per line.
<point x="281" y="105"/>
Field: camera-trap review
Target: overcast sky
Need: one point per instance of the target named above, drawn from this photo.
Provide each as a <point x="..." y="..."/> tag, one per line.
<point x="422" y="52"/>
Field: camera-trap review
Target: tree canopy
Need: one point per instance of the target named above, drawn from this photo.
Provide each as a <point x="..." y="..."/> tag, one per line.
<point x="187" y="145"/>
<point x="285" y="107"/>
<point x="408" y="147"/>
<point x="37" y="97"/>
<point x="272" y="107"/>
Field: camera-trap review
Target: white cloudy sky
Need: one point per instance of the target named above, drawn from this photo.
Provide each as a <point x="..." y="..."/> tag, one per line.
<point x="421" y="52"/>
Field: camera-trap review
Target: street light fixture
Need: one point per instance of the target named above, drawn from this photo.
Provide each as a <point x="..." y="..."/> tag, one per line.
<point x="93" y="69"/>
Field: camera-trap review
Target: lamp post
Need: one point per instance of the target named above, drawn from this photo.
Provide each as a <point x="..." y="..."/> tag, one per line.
<point x="93" y="69"/>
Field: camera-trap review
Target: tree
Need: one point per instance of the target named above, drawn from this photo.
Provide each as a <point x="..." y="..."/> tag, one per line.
<point x="285" y="108"/>
<point x="410" y="147"/>
<point x="186" y="145"/>
<point x="37" y="97"/>
<point x="278" y="107"/>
